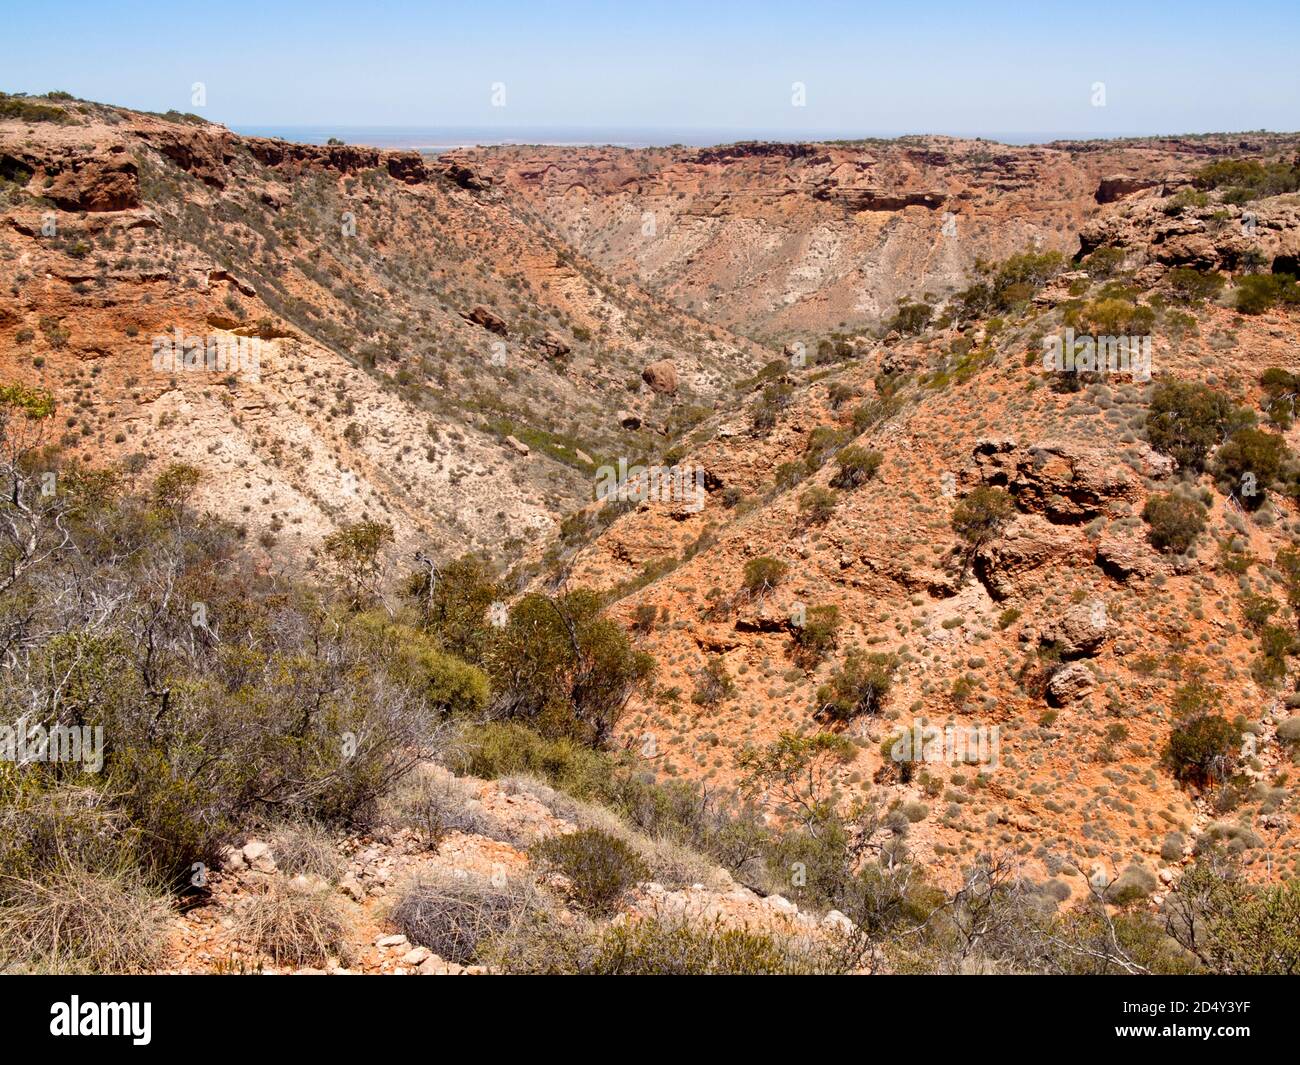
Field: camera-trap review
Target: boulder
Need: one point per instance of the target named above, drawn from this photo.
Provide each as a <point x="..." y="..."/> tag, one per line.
<point x="488" y="319"/>
<point x="1124" y="557"/>
<point x="258" y="855"/>
<point x="628" y="420"/>
<point x="553" y="347"/>
<point x="661" y="376"/>
<point x="1079" y="631"/>
<point x="517" y="446"/>
<point x="1070" y="684"/>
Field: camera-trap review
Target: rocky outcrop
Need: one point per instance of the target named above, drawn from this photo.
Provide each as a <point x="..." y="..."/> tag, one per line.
<point x="90" y="179"/>
<point x="488" y="319"/>
<point x="1068" y="481"/>
<point x="553" y="347"/>
<point x="1126" y="557"/>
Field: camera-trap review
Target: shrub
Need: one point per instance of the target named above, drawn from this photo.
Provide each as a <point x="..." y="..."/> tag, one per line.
<point x="1175" y="520"/>
<point x="662" y="947"/>
<point x="1288" y="731"/>
<point x="305" y="848"/>
<point x="815" y="638"/>
<point x="1132" y="885"/>
<point x="1257" y="293"/>
<point x="1104" y="263"/>
<point x="560" y="663"/>
<point x="713" y="684"/>
<point x="508" y="748"/>
<point x="1280" y="389"/>
<point x="763" y="574"/>
<point x="1249" y="462"/>
<point x="1185" y="420"/>
<point x="433" y="806"/>
<point x="910" y="318"/>
<point x="1192" y="286"/>
<point x="859" y="686"/>
<point x="817" y="505"/>
<point x="601" y="868"/>
<point x="454" y="602"/>
<point x="1202" y="749"/>
<point x="72" y="919"/>
<point x="293" y="925"/>
<point x="455" y="917"/>
<point x="857" y="467"/>
<point x="776" y="397"/>
<point x="355" y="551"/>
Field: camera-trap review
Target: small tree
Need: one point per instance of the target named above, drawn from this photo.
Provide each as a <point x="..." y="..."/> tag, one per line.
<point x="1176" y="521"/>
<point x="815" y="638"/>
<point x="858" y="687"/>
<point x="1202" y="749"/>
<point x="1248" y="463"/>
<point x="1186" y="420"/>
<point x="980" y="515"/>
<point x="763" y="574"/>
<point x="713" y="684"/>
<point x="356" y="551"/>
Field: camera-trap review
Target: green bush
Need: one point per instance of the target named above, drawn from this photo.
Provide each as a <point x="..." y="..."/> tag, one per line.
<point x="980" y="514"/>
<point x="1185" y="420"/>
<point x="1257" y="293"/>
<point x="1248" y="462"/>
<point x="1202" y="749"/>
<point x="601" y="868"/>
<point x="857" y="466"/>
<point x="763" y="574"/>
<point x="817" y="505"/>
<point x="816" y="637"/>
<point x="859" y="686"/>
<point x="561" y="664"/>
<point x="1193" y="286"/>
<point x="509" y="748"/>
<point x="1175" y="520"/>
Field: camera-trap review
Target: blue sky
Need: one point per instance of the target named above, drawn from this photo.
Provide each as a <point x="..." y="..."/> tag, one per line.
<point x="867" y="67"/>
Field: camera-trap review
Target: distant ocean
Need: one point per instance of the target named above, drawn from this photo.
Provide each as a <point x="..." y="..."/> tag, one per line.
<point x="444" y="138"/>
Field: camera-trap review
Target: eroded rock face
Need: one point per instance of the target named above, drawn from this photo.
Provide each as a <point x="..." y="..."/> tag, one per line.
<point x="1117" y="186"/>
<point x="1127" y="557"/>
<point x="99" y="180"/>
<point x="661" y="376"/>
<point x="1011" y="564"/>
<point x="1068" y="481"/>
